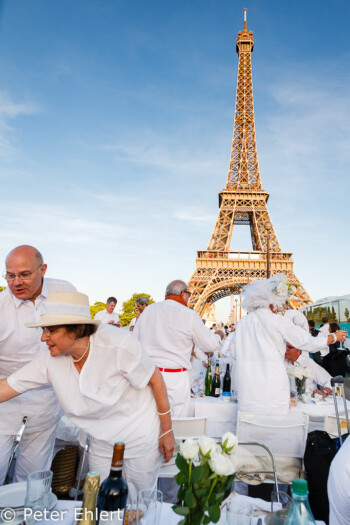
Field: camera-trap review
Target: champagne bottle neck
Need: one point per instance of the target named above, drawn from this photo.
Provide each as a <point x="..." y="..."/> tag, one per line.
<point x="115" y="472"/>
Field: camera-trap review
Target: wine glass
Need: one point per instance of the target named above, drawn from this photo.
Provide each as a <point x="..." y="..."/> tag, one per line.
<point x="149" y="506"/>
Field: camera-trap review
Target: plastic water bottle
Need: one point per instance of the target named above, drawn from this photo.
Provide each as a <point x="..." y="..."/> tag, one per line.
<point x="300" y="512"/>
<point x="201" y="383"/>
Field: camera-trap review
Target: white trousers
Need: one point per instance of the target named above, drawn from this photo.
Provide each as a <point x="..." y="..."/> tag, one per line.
<point x="34" y="453"/>
<point x="179" y="392"/>
<point x="139" y="473"/>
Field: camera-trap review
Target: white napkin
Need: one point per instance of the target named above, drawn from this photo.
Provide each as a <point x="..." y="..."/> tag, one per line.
<point x="245" y="504"/>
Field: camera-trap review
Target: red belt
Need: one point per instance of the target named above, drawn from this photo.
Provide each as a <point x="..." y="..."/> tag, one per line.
<point x="173" y="369"/>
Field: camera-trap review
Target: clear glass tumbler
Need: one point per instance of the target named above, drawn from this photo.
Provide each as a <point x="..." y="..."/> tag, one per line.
<point x="38" y="492"/>
<point x="149" y="506"/>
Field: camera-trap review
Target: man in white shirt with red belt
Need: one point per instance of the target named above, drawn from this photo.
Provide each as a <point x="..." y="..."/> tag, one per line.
<point x="21" y="303"/>
<point x="167" y="331"/>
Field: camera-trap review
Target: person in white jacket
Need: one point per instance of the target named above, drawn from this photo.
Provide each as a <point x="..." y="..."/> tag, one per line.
<point x="259" y="347"/>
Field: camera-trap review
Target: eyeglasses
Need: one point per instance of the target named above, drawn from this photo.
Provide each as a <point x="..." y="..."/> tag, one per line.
<point x="22" y="276"/>
<point x="50" y="329"/>
<point x="187" y="291"/>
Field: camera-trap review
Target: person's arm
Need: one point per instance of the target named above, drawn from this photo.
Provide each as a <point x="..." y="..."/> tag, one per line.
<point x="303" y="340"/>
<point x="6" y="392"/>
<point x="166" y="440"/>
<point x="203" y="337"/>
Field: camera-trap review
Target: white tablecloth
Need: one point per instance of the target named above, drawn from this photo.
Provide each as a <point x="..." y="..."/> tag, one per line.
<point x="168" y="517"/>
<point x="222" y="417"/>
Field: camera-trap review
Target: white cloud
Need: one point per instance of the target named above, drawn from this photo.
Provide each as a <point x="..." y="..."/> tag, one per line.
<point x="196" y="216"/>
<point x="10" y="110"/>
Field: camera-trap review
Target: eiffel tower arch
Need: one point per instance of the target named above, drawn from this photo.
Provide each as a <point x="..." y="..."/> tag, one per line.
<point x="221" y="272"/>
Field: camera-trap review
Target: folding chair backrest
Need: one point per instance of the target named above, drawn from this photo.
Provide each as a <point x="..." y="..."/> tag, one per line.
<point x="284" y="434"/>
<point x="330" y="425"/>
<point x="189" y="427"/>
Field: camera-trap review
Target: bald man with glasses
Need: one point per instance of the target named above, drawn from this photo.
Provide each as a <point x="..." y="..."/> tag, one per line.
<point x="22" y="302"/>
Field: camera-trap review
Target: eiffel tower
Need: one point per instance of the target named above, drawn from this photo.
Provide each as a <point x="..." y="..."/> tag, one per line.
<point x="220" y="271"/>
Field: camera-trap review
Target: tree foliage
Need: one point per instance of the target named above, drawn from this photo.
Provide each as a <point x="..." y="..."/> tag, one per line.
<point x="2" y="288"/>
<point x="129" y="308"/>
<point x="96" y="308"/>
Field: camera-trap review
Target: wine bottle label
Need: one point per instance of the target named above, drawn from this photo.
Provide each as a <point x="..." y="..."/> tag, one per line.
<point x="217" y="391"/>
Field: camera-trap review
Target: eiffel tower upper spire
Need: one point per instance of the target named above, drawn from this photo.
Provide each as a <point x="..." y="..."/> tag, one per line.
<point x="244" y="168"/>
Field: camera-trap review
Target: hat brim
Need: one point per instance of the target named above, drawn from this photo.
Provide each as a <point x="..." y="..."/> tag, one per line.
<point x="62" y="319"/>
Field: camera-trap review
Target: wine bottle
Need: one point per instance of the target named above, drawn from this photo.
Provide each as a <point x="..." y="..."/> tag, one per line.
<point x="87" y="514"/>
<point x="215" y="386"/>
<point x="208" y="379"/>
<point x="113" y="494"/>
<point x="226" y="385"/>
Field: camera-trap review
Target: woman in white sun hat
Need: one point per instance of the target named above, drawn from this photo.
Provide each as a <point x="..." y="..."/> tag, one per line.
<point x="106" y="384"/>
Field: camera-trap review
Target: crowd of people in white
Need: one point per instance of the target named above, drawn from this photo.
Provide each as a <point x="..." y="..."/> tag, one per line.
<point x="124" y="385"/>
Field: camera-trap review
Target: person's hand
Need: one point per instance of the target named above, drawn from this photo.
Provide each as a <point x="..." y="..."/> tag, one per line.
<point x="319" y="392"/>
<point x="209" y="354"/>
<point x="205" y="364"/>
<point x="167" y="446"/>
<point x="341" y="335"/>
<point x="110" y="322"/>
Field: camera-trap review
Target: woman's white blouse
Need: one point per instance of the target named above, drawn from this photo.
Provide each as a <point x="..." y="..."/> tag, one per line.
<point x="110" y="398"/>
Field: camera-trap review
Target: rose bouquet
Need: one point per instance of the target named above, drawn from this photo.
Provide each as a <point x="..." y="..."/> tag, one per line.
<point x="203" y="483"/>
<point x="300" y="374"/>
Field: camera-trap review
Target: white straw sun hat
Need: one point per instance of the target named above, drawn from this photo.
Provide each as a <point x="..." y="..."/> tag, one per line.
<point x="65" y="308"/>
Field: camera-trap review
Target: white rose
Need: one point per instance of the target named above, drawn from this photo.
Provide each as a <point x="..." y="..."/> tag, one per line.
<point x="206" y="445"/>
<point x="189" y="449"/>
<point x="231" y="442"/>
<point x="282" y="289"/>
<point x="221" y="465"/>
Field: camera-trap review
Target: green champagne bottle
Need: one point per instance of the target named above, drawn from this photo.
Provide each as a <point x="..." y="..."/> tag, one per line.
<point x="216" y="383"/>
<point x="208" y="379"/>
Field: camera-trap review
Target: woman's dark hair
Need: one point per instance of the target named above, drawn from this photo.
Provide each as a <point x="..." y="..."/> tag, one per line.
<point x="333" y="327"/>
<point x="81" y="330"/>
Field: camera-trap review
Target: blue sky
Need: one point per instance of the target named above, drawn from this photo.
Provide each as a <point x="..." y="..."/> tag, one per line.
<point x="116" y="123"/>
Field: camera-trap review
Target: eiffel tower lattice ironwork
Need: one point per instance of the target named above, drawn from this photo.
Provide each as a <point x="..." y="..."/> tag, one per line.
<point x="219" y="271"/>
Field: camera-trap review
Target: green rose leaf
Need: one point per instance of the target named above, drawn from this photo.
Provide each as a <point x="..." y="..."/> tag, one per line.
<point x="182" y="464"/>
<point x="181" y="478"/>
<point x="198" y="473"/>
<point x="214" y="513"/>
<point x="200" y="492"/>
<point x="190" y="500"/>
<point x="182" y="511"/>
<point x="206" y="520"/>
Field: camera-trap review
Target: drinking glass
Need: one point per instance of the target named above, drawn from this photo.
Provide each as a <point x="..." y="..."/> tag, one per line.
<point x="38" y="490"/>
<point x="149" y="506"/>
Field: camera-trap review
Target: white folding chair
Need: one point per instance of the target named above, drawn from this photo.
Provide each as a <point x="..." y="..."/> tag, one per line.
<point x="331" y="426"/>
<point x="184" y="428"/>
<point x="285" y="436"/>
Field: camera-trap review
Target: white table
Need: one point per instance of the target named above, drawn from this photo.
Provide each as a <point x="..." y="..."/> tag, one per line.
<point x="222" y="416"/>
<point x="65" y="509"/>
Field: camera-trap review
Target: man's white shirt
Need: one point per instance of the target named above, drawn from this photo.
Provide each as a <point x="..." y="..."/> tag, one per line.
<point x="319" y="376"/>
<point x="105" y="317"/>
<point x="18" y="346"/>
